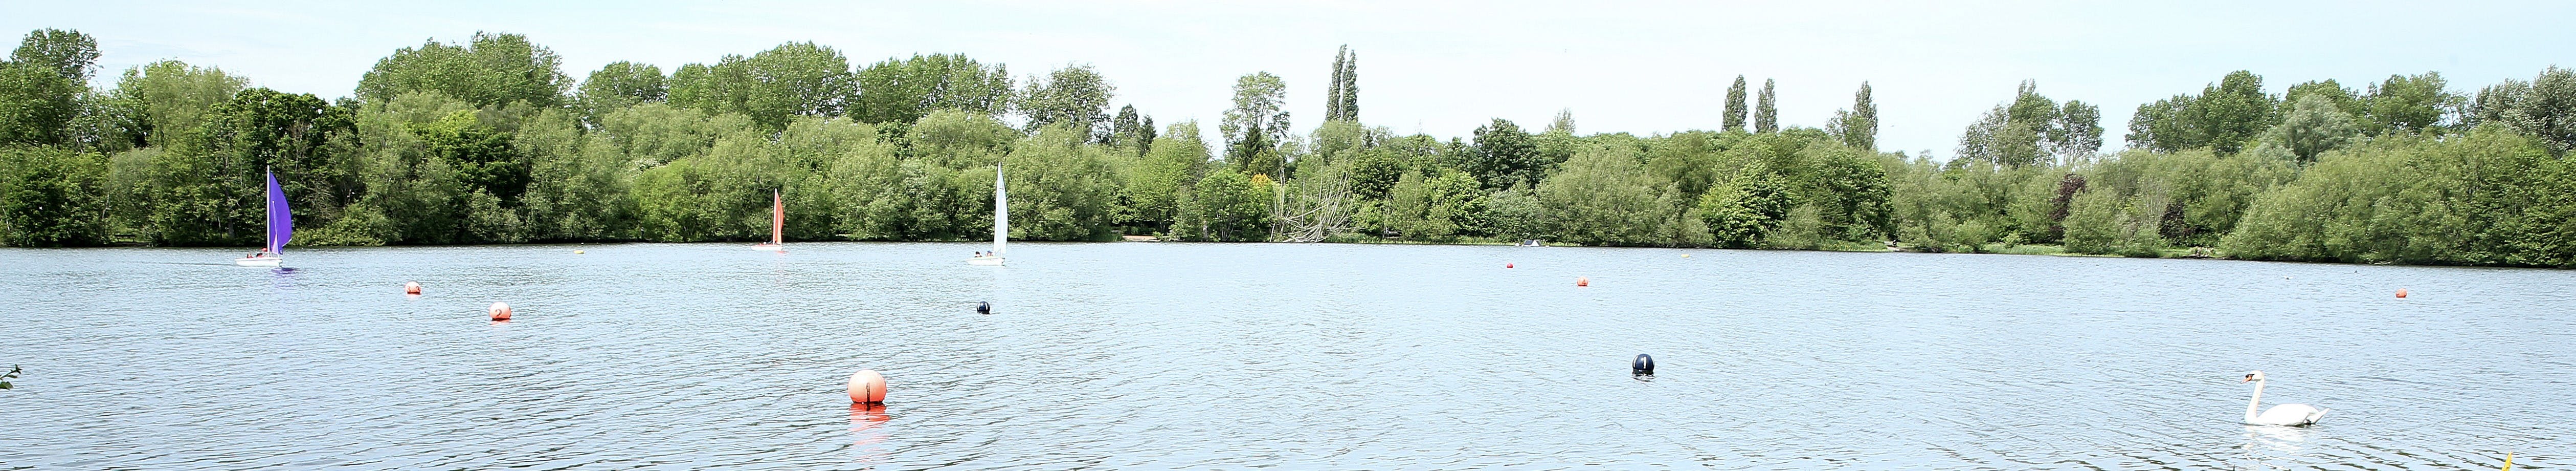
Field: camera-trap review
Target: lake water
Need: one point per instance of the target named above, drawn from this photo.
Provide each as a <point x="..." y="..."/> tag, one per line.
<point x="1142" y="356"/>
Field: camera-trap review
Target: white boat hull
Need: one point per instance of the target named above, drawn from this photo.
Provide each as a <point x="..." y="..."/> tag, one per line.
<point x="984" y="261"/>
<point x="259" y="261"/>
<point x="769" y="247"/>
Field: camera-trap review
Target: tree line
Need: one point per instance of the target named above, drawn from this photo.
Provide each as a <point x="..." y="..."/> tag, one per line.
<point x="488" y="141"/>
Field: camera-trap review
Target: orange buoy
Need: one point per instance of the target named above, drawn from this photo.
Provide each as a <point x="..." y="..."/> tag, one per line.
<point x="867" y="387"/>
<point x="500" y="311"/>
<point x="411" y="288"/>
<point x="1581" y="281"/>
<point x="2401" y="293"/>
<point x="1507" y="265"/>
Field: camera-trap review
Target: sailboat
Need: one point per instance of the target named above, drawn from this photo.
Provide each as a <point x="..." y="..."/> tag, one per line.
<point x="281" y="225"/>
<point x="1001" y="224"/>
<point x="777" y="225"/>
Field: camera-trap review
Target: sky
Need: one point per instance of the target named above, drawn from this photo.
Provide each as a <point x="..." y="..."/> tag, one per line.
<point x="1440" y="68"/>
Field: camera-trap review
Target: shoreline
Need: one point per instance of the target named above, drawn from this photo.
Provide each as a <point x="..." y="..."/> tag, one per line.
<point x="2190" y="253"/>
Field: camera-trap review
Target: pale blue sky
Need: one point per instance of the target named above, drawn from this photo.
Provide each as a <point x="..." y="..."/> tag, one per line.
<point x="1437" y="68"/>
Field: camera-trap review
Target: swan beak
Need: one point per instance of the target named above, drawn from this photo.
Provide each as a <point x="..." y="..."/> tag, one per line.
<point x="2248" y="379"/>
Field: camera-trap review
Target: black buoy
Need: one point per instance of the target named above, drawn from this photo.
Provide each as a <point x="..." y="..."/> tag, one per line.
<point x="983" y="307"/>
<point x="1645" y="365"/>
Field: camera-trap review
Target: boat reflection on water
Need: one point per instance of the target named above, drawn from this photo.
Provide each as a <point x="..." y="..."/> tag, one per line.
<point x="869" y="432"/>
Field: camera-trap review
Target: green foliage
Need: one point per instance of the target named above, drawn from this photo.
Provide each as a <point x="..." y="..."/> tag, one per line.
<point x="1155" y="183"/>
<point x="37" y="104"/>
<point x="1341" y="98"/>
<point x="490" y="70"/>
<point x="1742" y="212"/>
<point x="1257" y="124"/>
<point x="1131" y="131"/>
<point x="67" y="53"/>
<point x="960" y="139"/>
<point x="1766" y="116"/>
<point x="51" y="197"/>
<point x="2033" y="130"/>
<point x="772" y="87"/>
<point x="620" y="85"/>
<point x="1735" y="105"/>
<point x="477" y="143"/>
<point x="1604" y="196"/>
<point x="1074" y="96"/>
<point x="903" y="91"/>
<point x="2226" y="116"/>
<point x="1504" y="156"/>
<point x="1226" y="207"/>
<point x="169" y="100"/>
<point x="2544" y="107"/>
<point x="2314" y="126"/>
<point x="2411" y="103"/>
<point x="1434" y="204"/>
<point x="1061" y="189"/>
<point x="1858" y="127"/>
<point x="2492" y="197"/>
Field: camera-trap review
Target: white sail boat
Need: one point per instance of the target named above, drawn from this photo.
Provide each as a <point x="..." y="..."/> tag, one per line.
<point x="777" y="225"/>
<point x="1001" y="224"/>
<point x="281" y="226"/>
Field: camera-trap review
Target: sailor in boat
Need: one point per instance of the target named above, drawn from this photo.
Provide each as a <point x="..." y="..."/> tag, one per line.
<point x="263" y="252"/>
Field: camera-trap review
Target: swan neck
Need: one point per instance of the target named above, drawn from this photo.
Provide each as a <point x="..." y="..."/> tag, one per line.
<point x="2251" y="405"/>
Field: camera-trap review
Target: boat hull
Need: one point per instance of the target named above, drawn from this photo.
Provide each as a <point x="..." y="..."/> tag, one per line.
<point x="259" y="261"/>
<point x="984" y="261"/>
<point x="769" y="247"/>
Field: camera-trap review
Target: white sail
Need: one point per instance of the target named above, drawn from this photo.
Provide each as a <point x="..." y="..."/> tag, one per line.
<point x="1001" y="214"/>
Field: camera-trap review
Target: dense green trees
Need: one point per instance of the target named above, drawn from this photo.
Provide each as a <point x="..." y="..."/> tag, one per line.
<point x="898" y="92"/>
<point x="489" y="142"/>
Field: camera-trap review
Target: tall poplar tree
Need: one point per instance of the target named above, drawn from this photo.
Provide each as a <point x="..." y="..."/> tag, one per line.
<point x="1333" y="91"/>
<point x="1858" y="127"/>
<point x="1735" y="105"/>
<point x="1766" y="117"/>
<point x="1351" y="88"/>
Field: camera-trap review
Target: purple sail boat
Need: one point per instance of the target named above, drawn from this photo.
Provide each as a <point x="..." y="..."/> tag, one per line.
<point x="281" y="226"/>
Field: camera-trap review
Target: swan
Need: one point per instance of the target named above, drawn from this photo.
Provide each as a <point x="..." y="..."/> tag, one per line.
<point x="2284" y="414"/>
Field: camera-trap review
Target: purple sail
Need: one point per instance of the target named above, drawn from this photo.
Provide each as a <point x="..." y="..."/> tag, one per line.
<point x="281" y="222"/>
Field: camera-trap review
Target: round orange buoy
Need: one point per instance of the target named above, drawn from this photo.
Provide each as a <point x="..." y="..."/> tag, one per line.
<point x="866" y="387"/>
<point x="411" y="287"/>
<point x="2401" y="293"/>
<point x="500" y="311"/>
<point x="1581" y="281"/>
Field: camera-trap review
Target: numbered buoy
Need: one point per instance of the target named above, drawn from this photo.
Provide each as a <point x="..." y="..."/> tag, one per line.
<point x="1581" y="281"/>
<point x="1644" y="365"/>
<point x="411" y="288"/>
<point x="867" y="387"/>
<point x="500" y="311"/>
<point x="983" y="308"/>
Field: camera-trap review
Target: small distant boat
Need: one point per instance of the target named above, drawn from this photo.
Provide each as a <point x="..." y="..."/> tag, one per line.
<point x="777" y="225"/>
<point x="1531" y="243"/>
<point x="281" y="226"/>
<point x="1001" y="224"/>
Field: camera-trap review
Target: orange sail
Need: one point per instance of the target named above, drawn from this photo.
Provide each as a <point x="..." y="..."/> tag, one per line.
<point x="777" y="219"/>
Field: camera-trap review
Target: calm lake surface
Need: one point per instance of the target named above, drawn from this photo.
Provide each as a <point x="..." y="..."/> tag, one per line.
<point x="1133" y="355"/>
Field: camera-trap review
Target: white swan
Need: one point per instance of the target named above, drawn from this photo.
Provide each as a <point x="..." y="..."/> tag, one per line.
<point x="2284" y="414"/>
